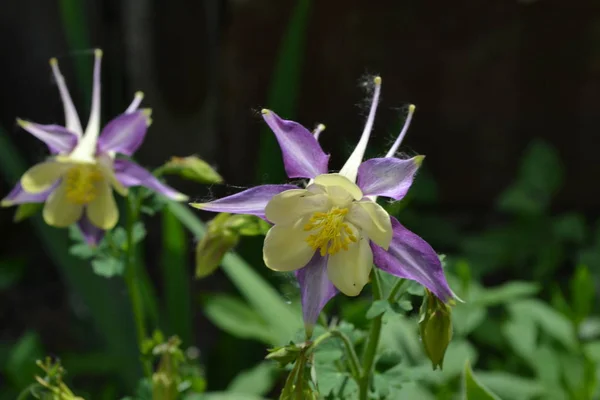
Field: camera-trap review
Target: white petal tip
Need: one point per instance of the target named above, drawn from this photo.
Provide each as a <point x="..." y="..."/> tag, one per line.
<point x="98" y="53"/>
<point x="411" y="108"/>
<point x="199" y="206"/>
<point x="22" y="123"/>
<point x="53" y="62"/>
<point x="377" y="80"/>
<point x="139" y="94"/>
<point x="6" y="203"/>
<point x="419" y="160"/>
<point x="456" y="298"/>
<point x="181" y="197"/>
<point x="265" y="111"/>
<point x="321" y="127"/>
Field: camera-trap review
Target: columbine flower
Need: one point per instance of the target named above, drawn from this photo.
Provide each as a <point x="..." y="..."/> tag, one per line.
<point x="333" y="231"/>
<point x="76" y="183"/>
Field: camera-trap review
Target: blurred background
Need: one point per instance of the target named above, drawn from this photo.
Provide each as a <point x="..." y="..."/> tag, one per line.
<point x="508" y="110"/>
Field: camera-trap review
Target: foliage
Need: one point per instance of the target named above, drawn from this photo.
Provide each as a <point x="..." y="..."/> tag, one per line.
<point x="529" y="322"/>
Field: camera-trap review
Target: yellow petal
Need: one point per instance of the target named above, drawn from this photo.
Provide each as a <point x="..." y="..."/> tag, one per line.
<point x="289" y="206"/>
<point x="349" y="269"/>
<point x="105" y="165"/>
<point x="373" y="220"/>
<point x="285" y="247"/>
<point x="58" y="211"/>
<point x="42" y="176"/>
<point x="103" y="211"/>
<point x="329" y="180"/>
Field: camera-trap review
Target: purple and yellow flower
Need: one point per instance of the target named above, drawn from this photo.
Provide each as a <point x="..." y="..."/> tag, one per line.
<point x="332" y="231"/>
<point x="76" y="183"/>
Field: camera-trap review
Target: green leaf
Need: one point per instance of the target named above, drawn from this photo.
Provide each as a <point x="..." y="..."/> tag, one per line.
<point x="377" y="308"/>
<point x="404" y="305"/>
<point x="284" y="89"/>
<point x="281" y="318"/>
<point x="506" y="293"/>
<point x="582" y="293"/>
<point x="466" y="317"/>
<point x="83" y="251"/>
<point x="237" y="318"/>
<point x="474" y="390"/>
<point x="108" y="267"/>
<point x="589" y="329"/>
<point x="73" y="15"/>
<point x="542" y="169"/>
<point x="570" y="227"/>
<point x="152" y="204"/>
<point x="175" y="277"/>
<point x="26" y="210"/>
<point x="221" y="396"/>
<point x="550" y="321"/>
<point x="510" y="386"/>
<point x="540" y="177"/>
<point x="521" y="334"/>
<point x="330" y="380"/>
<point x="139" y="232"/>
<point x="20" y="366"/>
<point x="459" y="352"/>
<point x="258" y="380"/>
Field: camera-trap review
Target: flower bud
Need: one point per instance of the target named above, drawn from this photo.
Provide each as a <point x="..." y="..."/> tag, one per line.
<point x="435" y="325"/>
<point x="222" y="235"/>
<point x="285" y="355"/>
<point x="217" y="241"/>
<point x="192" y="168"/>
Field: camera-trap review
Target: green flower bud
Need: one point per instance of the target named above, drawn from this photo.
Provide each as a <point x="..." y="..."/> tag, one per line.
<point x="285" y="355"/>
<point x="26" y="210"/>
<point x="217" y="241"/>
<point x="223" y="234"/>
<point x="435" y="325"/>
<point x="192" y="168"/>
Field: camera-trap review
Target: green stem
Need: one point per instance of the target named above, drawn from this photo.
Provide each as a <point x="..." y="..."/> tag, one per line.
<point x="355" y="368"/>
<point x="393" y="296"/>
<point x="131" y="280"/>
<point x="372" y="342"/>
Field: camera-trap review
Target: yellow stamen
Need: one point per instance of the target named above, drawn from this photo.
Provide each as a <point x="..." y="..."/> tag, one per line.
<point x="332" y="234"/>
<point x="82" y="183"/>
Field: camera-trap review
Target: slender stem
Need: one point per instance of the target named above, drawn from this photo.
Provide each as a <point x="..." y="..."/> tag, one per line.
<point x="396" y="289"/>
<point x="372" y="342"/>
<point x="131" y="278"/>
<point x="315" y="343"/>
<point x="355" y="368"/>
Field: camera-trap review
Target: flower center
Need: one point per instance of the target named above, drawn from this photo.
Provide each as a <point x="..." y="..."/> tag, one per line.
<point x="82" y="183"/>
<point x="331" y="233"/>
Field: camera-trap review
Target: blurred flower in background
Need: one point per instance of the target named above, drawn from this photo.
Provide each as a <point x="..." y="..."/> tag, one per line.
<point x="76" y="182"/>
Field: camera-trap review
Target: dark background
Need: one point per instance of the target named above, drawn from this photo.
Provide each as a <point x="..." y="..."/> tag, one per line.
<point x="487" y="78"/>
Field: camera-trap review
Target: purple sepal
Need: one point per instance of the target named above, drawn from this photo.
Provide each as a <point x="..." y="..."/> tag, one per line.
<point x="315" y="288"/>
<point x="124" y="134"/>
<point x="252" y="201"/>
<point x="19" y="196"/>
<point x="58" y="138"/>
<point x="389" y="177"/>
<point x="303" y="157"/>
<point x="411" y="257"/>
<point x="91" y="233"/>
<point x="131" y="174"/>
